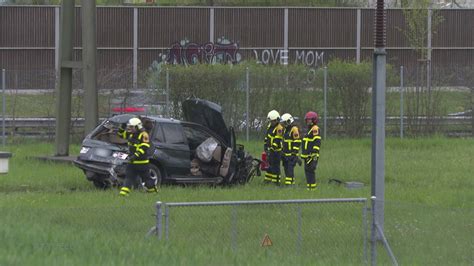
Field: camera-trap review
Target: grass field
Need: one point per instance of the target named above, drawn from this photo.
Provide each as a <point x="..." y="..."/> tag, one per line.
<point x="52" y="216"/>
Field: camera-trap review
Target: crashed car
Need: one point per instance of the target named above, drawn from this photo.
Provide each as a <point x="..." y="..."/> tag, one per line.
<point x="200" y="149"/>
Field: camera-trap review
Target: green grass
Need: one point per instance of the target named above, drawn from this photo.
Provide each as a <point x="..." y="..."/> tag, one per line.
<point x="52" y="216"/>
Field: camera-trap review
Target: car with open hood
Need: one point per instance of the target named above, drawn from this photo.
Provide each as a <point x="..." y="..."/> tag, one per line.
<point x="198" y="149"/>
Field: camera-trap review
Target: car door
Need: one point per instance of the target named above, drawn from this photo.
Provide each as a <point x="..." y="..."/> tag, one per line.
<point x="172" y="150"/>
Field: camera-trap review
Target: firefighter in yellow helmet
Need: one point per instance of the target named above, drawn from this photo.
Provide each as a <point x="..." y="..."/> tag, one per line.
<point x="138" y="167"/>
<point x="291" y="148"/>
<point x="310" y="149"/>
<point x="273" y="146"/>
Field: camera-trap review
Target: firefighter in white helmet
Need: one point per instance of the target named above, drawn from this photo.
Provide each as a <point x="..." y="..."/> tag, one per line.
<point x="272" y="146"/>
<point x="291" y="148"/>
<point x="138" y="167"/>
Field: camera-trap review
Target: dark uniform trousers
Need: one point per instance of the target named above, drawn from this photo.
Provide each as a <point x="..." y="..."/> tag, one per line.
<point x="136" y="173"/>
<point x="273" y="148"/>
<point x="273" y="171"/>
<point x="310" y="171"/>
<point x="289" y="163"/>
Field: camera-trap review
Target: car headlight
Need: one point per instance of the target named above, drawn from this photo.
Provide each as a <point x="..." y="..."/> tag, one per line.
<point x="84" y="150"/>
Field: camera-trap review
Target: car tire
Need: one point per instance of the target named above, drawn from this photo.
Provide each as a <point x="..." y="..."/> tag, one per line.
<point x="102" y="183"/>
<point x="155" y="174"/>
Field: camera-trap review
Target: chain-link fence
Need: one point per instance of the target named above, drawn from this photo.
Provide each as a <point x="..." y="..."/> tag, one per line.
<point x="424" y="234"/>
<point x="308" y="232"/>
<point x="331" y="230"/>
<point x="340" y="93"/>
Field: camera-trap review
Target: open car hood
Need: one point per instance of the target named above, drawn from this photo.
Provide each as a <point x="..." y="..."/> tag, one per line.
<point x="208" y="114"/>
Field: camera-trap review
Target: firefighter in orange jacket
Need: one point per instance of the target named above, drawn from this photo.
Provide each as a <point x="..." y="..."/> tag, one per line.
<point x="310" y="149"/>
<point x="291" y="148"/>
<point x="272" y="146"/>
<point x="138" y="167"/>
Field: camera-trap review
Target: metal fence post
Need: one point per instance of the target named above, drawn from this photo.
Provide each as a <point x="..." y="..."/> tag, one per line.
<point x="373" y="241"/>
<point x="167" y="222"/>
<point x="401" y="101"/>
<point x="325" y="100"/>
<point x="3" y="106"/>
<point x="365" y="230"/>
<point x="159" y="216"/>
<point x="299" y="231"/>
<point x="247" y="104"/>
<point x="167" y="93"/>
<point x="234" y="228"/>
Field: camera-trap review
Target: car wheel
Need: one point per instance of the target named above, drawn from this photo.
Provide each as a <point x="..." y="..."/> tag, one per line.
<point x="155" y="174"/>
<point x="102" y="183"/>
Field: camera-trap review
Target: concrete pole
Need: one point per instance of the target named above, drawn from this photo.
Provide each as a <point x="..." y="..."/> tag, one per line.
<point x="64" y="90"/>
<point x="89" y="54"/>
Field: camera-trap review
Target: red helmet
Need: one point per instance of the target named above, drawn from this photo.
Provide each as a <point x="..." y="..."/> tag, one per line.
<point x="313" y="116"/>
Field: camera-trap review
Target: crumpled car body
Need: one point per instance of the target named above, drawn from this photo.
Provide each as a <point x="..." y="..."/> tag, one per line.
<point x="198" y="149"/>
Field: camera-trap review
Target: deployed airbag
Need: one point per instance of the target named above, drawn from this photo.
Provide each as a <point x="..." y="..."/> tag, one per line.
<point x="206" y="150"/>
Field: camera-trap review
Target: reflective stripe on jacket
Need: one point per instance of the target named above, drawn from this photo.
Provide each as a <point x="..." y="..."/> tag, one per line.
<point x="138" y="145"/>
<point x="274" y="138"/>
<point x="291" y="141"/>
<point x="311" y="143"/>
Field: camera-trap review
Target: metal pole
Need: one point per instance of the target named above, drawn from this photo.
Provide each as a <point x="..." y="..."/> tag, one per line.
<point x="359" y="29"/>
<point x="3" y="106"/>
<point x="247" y="104"/>
<point x="135" y="50"/>
<point x="401" y="102"/>
<point x="325" y="100"/>
<point x="378" y="114"/>
<point x="167" y="93"/>
<point x="234" y="228"/>
<point x="365" y="231"/>
<point x="167" y="222"/>
<point x="373" y="242"/>
<point x="299" y="231"/>
<point x="159" y="216"/>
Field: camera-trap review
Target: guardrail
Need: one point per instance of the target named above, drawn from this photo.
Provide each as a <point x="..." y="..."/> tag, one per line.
<point x="37" y="127"/>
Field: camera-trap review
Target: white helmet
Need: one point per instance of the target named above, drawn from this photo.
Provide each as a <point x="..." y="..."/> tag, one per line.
<point x="135" y="122"/>
<point x="287" y="118"/>
<point x="273" y="115"/>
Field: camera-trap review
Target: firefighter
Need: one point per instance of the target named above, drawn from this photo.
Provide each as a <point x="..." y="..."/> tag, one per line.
<point x="138" y="167"/>
<point x="291" y="148"/>
<point x="273" y="146"/>
<point x="310" y="149"/>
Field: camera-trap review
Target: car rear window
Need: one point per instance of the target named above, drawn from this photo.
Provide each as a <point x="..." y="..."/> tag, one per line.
<point x="173" y="134"/>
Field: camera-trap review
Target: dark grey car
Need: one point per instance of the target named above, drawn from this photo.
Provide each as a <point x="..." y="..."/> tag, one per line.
<point x="200" y="149"/>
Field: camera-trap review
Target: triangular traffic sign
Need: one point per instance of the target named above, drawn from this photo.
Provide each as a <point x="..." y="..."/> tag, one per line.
<point x="266" y="242"/>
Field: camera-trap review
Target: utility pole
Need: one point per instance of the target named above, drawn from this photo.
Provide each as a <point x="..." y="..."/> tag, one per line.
<point x="89" y="48"/>
<point x="378" y="114"/>
<point x="64" y="86"/>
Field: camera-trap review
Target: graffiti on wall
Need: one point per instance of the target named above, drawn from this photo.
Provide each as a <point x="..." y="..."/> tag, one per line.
<point x="278" y="56"/>
<point x="184" y="52"/>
